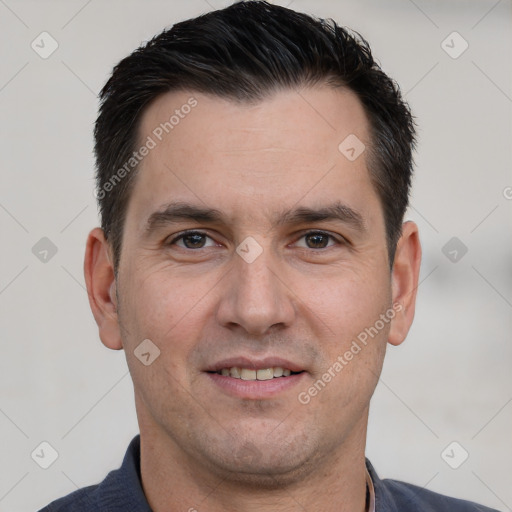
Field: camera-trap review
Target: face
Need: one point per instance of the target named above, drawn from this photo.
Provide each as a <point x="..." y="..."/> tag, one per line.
<point x="254" y="257"/>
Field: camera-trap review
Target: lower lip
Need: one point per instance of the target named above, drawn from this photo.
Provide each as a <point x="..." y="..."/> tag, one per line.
<point x="255" y="389"/>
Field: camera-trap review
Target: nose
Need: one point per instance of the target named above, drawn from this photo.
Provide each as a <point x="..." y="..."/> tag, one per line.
<point x="256" y="295"/>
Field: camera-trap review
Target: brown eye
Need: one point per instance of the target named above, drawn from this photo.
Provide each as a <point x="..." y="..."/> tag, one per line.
<point x="317" y="240"/>
<point x="192" y="240"/>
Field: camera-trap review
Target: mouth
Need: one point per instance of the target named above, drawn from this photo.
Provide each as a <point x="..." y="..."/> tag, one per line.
<point x="274" y="372"/>
<point x="255" y="379"/>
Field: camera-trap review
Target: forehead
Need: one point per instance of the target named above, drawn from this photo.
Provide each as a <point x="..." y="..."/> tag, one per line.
<point x="220" y="152"/>
<point x="288" y="118"/>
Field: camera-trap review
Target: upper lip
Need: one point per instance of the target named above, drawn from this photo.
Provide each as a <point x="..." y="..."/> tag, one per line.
<point x="254" y="363"/>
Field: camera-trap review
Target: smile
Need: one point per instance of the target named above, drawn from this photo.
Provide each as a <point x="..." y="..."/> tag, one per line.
<point x="253" y="374"/>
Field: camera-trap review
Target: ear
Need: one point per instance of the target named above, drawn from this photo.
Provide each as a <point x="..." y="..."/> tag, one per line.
<point x="101" y="288"/>
<point x="404" y="282"/>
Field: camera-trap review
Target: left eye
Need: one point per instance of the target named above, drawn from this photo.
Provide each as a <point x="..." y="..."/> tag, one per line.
<point x="192" y="240"/>
<point x="316" y="240"/>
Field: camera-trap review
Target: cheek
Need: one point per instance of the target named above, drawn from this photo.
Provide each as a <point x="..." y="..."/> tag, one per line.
<point x="349" y="301"/>
<point x="169" y="312"/>
<point x="355" y="337"/>
<point x="159" y="301"/>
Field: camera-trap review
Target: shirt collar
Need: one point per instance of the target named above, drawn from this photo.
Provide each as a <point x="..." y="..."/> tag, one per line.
<point x="370" y="507"/>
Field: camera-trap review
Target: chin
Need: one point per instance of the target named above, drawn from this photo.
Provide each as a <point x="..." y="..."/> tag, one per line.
<point x="262" y="463"/>
<point x="266" y="474"/>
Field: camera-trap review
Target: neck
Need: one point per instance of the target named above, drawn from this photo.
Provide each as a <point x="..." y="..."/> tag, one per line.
<point x="172" y="480"/>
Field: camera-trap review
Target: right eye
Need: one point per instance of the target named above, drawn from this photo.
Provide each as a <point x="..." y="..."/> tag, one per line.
<point x="192" y="240"/>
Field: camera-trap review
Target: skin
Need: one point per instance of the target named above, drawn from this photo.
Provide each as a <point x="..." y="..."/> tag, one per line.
<point x="204" y="448"/>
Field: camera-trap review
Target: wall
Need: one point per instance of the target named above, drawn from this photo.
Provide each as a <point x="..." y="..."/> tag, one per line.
<point x="450" y="381"/>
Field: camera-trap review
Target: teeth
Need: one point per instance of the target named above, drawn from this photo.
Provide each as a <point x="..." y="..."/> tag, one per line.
<point x="246" y="374"/>
<point x="249" y="374"/>
<point x="266" y="374"/>
<point x="278" y="371"/>
<point x="234" y="372"/>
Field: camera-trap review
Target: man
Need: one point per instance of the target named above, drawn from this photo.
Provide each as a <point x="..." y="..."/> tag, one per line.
<point x="254" y="167"/>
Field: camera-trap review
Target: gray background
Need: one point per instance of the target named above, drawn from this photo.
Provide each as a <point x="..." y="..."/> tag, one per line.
<point x="450" y="381"/>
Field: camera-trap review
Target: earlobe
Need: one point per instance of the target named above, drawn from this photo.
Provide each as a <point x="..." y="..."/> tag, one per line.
<point x="405" y="276"/>
<point x="101" y="288"/>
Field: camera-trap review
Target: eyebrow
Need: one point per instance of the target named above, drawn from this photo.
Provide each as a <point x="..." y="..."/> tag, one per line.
<point x="180" y="211"/>
<point x="336" y="211"/>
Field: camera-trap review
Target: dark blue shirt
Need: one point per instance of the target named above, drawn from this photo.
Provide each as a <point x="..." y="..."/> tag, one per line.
<point x="121" y="491"/>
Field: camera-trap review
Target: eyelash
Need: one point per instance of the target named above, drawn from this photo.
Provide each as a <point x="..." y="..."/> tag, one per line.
<point x="201" y="233"/>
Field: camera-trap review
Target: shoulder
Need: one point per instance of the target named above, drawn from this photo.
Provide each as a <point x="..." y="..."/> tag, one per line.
<point x="411" y="497"/>
<point x="121" y="490"/>
<point x="396" y="496"/>
<point x="80" y="500"/>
